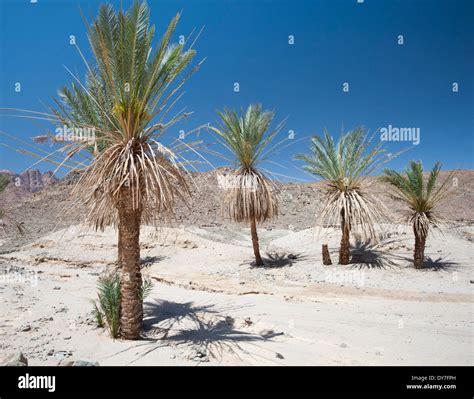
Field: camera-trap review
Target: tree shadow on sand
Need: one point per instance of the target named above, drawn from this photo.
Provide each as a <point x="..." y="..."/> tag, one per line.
<point x="368" y="255"/>
<point x="150" y="260"/>
<point x="203" y="329"/>
<point x="440" y="264"/>
<point x="276" y="260"/>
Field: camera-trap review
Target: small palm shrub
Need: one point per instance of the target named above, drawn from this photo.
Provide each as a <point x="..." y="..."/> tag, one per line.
<point x="106" y="310"/>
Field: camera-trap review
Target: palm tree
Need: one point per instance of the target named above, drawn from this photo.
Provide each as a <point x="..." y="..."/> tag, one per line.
<point x="345" y="167"/>
<point x="251" y="196"/>
<point x="422" y="199"/>
<point x="128" y="176"/>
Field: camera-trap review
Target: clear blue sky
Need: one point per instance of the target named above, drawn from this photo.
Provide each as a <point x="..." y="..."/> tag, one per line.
<point x="336" y="41"/>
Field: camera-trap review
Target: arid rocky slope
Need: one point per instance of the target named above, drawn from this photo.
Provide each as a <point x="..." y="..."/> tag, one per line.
<point x="52" y="208"/>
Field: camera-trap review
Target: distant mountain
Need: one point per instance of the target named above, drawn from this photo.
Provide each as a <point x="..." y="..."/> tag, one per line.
<point x="22" y="185"/>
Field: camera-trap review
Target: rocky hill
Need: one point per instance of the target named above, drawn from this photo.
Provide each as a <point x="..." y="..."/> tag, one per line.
<point x="51" y="209"/>
<point x="22" y="185"/>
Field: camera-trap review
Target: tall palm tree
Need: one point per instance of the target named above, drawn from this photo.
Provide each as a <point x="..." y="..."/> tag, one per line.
<point x="251" y="196"/>
<point x="422" y="197"/>
<point x="128" y="176"/>
<point x="345" y="166"/>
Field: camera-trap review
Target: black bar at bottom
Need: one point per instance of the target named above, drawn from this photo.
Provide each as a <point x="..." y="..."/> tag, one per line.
<point x="412" y="381"/>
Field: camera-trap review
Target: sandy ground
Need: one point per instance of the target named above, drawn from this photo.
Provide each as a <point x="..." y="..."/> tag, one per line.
<point x="210" y="306"/>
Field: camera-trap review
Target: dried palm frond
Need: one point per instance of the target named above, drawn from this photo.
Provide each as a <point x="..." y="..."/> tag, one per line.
<point x="151" y="173"/>
<point x="41" y="139"/>
<point x="125" y="101"/>
<point x="250" y="193"/>
<point x="361" y="209"/>
<point x="346" y="167"/>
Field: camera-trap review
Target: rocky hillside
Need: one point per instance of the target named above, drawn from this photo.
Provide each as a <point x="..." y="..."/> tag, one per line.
<point x="51" y="209"/>
<point x="22" y="185"/>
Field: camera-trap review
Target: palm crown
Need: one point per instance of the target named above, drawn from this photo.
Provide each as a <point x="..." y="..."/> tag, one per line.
<point x="249" y="139"/>
<point x="346" y="166"/>
<point x="130" y="87"/>
<point x="422" y="196"/>
<point x="247" y="136"/>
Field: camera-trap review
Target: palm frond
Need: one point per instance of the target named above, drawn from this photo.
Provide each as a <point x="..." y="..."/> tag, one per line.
<point x="422" y="196"/>
<point x="107" y="311"/>
<point x="124" y="98"/>
<point x="249" y="193"/>
<point x="345" y="166"/>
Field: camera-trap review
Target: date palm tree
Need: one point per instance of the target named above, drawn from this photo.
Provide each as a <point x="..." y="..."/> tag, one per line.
<point x="128" y="176"/>
<point x="251" y="196"/>
<point x="345" y="166"/>
<point x="422" y="197"/>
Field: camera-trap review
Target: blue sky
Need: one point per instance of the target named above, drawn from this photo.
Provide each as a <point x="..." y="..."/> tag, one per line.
<point x="337" y="41"/>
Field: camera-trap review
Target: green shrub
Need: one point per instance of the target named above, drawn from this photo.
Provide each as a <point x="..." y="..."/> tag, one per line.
<point x="98" y="315"/>
<point x="107" y="310"/>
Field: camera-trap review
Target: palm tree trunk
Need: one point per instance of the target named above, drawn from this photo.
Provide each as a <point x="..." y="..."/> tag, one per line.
<point x="119" y="250"/>
<point x="344" y="254"/>
<point x="131" y="307"/>
<point x="419" y="253"/>
<point x="326" y="255"/>
<point x="256" y="248"/>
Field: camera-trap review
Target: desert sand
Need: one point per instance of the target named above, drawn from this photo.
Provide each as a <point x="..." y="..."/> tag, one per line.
<point x="210" y="306"/>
